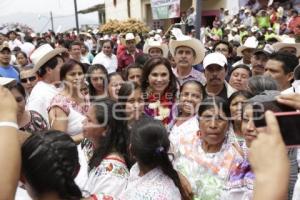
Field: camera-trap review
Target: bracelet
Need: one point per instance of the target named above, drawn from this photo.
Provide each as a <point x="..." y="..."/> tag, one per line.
<point x="9" y="124"/>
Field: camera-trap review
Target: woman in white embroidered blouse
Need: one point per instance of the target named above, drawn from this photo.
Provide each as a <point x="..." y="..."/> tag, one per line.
<point x="153" y="176"/>
<point x="209" y="159"/>
<point x="105" y="149"/>
<point x="186" y="124"/>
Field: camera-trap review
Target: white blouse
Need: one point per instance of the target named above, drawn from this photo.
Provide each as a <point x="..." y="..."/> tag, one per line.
<point x="109" y="178"/>
<point x="184" y="133"/>
<point x="154" y="185"/>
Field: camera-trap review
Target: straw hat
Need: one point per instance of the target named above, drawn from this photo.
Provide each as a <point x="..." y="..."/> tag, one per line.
<point x="43" y="54"/>
<point x="152" y="43"/>
<point x="130" y="36"/>
<point x="250" y="43"/>
<point x="187" y="41"/>
<point x="287" y="42"/>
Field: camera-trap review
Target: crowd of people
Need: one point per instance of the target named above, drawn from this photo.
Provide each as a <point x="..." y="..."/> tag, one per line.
<point x="156" y="116"/>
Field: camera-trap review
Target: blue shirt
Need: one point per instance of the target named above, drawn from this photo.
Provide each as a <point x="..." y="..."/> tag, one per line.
<point x="9" y="72"/>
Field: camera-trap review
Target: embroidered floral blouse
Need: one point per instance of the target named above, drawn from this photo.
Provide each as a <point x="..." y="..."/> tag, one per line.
<point x="183" y="133"/>
<point x="154" y="185"/>
<point x="209" y="173"/>
<point x="75" y="112"/>
<point x="66" y="103"/>
<point x="110" y="177"/>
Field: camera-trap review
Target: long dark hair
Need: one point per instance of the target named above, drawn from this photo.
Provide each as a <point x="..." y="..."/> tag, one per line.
<point x="116" y="137"/>
<point x="92" y="90"/>
<point x="149" y="66"/>
<point x="150" y="145"/>
<point x="50" y="164"/>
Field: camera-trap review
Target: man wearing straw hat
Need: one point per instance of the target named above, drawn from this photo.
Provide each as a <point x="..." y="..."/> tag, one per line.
<point x="131" y="52"/>
<point x="186" y="52"/>
<point x="155" y="48"/>
<point x="287" y="45"/>
<point x="47" y="63"/>
<point x="246" y="51"/>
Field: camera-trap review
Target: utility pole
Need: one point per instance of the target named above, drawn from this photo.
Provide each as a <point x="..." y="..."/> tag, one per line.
<point x="198" y="18"/>
<point x="52" y="23"/>
<point x="76" y="16"/>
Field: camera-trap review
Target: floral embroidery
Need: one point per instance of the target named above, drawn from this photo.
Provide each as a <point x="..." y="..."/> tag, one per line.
<point x="208" y="173"/>
<point x="109" y="168"/>
<point x="152" y="185"/>
<point x="106" y="197"/>
<point x="65" y="103"/>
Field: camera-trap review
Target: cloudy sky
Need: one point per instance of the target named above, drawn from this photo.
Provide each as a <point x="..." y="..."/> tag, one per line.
<point x="28" y="12"/>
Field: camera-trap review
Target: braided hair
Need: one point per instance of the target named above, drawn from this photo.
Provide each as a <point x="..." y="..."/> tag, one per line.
<point x="50" y="164"/>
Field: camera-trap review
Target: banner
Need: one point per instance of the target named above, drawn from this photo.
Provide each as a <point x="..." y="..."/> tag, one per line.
<point x="165" y="9"/>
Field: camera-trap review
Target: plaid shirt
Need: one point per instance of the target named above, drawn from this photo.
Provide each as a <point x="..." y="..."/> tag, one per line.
<point x="193" y="75"/>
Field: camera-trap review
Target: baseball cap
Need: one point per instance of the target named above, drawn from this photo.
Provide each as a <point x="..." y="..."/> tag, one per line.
<point x="214" y="58"/>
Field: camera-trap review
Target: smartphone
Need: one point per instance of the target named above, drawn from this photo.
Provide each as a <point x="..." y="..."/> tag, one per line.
<point x="289" y="123"/>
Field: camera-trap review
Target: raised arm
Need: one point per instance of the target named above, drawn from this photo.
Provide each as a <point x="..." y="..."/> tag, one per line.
<point x="10" y="155"/>
<point x="269" y="161"/>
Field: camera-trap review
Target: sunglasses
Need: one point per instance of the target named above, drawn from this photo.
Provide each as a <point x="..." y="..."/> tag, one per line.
<point x="30" y="79"/>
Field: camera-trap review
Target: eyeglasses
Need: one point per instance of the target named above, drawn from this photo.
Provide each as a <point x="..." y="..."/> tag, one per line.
<point x="30" y="79"/>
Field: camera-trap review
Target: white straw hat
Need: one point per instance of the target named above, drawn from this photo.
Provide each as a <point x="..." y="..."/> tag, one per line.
<point x="250" y="43"/>
<point x="43" y="54"/>
<point x="187" y="41"/>
<point x="130" y="36"/>
<point x="287" y="42"/>
<point x="152" y="43"/>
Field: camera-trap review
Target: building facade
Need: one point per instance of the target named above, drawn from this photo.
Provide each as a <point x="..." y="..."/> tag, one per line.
<point x="141" y="9"/>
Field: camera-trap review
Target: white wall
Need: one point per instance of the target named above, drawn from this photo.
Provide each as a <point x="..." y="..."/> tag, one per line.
<point x="136" y="9"/>
<point x="116" y="12"/>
